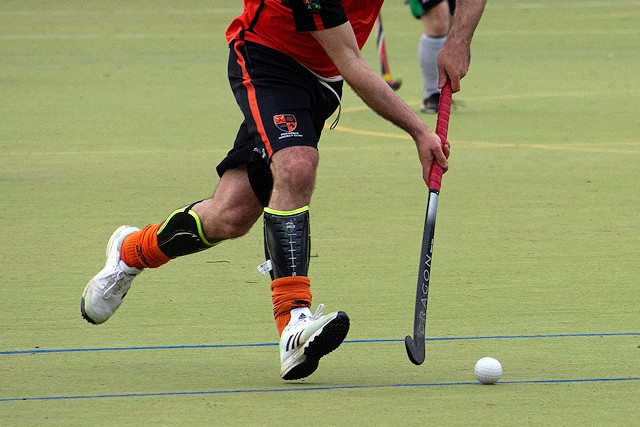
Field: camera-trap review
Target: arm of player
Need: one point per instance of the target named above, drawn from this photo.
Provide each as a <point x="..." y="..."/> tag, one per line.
<point x="455" y="55"/>
<point x="341" y="46"/>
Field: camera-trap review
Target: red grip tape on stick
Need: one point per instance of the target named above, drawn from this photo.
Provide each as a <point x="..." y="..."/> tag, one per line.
<point x="442" y="128"/>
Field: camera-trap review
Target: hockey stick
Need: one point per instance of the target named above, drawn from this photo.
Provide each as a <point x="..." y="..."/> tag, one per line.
<point x="382" y="56"/>
<point x="415" y="345"/>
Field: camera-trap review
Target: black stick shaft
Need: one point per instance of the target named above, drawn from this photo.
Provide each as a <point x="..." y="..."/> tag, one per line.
<point x="415" y="346"/>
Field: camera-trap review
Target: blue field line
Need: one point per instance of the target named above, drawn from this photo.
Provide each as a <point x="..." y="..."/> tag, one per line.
<point x="273" y="344"/>
<point x="316" y="388"/>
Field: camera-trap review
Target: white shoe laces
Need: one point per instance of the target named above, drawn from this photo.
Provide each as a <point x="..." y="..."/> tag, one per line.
<point x="318" y="313"/>
<point x="315" y="316"/>
<point x="120" y="279"/>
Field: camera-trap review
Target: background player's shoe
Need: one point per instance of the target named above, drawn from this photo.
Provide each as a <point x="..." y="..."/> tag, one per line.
<point x="104" y="293"/>
<point x="307" y="338"/>
<point x="430" y="104"/>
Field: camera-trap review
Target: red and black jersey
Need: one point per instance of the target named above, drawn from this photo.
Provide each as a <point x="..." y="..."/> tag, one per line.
<point x="284" y="25"/>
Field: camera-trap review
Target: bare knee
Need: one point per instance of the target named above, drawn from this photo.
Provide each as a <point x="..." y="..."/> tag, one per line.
<point x="230" y="222"/>
<point x="294" y="174"/>
<point x="297" y="173"/>
<point x="232" y="210"/>
<point x="437" y="21"/>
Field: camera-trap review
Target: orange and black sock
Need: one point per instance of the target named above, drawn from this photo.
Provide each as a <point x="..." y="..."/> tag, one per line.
<point x="140" y="249"/>
<point x="288" y="293"/>
<point x="181" y="234"/>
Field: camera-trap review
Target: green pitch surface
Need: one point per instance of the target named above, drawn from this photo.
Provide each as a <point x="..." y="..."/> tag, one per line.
<point x="117" y="112"/>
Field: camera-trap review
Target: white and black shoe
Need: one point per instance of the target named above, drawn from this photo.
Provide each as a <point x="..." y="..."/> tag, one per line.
<point x="307" y="338"/>
<point x="104" y="293"/>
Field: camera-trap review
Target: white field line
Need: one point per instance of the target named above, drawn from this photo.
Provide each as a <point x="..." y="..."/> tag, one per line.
<point x="101" y="36"/>
<point x="565" y="5"/>
<point x="213" y="35"/>
<point x="227" y="10"/>
<point x="110" y="12"/>
<point x="234" y="11"/>
<point x="554" y="5"/>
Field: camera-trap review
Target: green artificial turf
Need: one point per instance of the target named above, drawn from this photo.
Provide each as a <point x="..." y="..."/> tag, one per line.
<point x="117" y="112"/>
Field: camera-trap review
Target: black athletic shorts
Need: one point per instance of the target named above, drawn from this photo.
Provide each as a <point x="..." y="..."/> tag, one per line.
<point x="283" y="104"/>
<point x="420" y="7"/>
<point x="429" y="4"/>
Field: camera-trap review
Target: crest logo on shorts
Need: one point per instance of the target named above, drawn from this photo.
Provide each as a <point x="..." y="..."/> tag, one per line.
<point x="285" y="122"/>
<point x="313" y="6"/>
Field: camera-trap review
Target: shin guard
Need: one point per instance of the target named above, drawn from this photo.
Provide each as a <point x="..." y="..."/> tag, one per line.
<point x="181" y="234"/>
<point x="287" y="241"/>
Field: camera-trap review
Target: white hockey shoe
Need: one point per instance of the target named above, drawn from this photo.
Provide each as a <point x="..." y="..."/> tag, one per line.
<point x="307" y="338"/>
<point x="104" y="293"/>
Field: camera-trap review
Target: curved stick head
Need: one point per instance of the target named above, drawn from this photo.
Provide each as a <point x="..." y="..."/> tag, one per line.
<point x="415" y="350"/>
